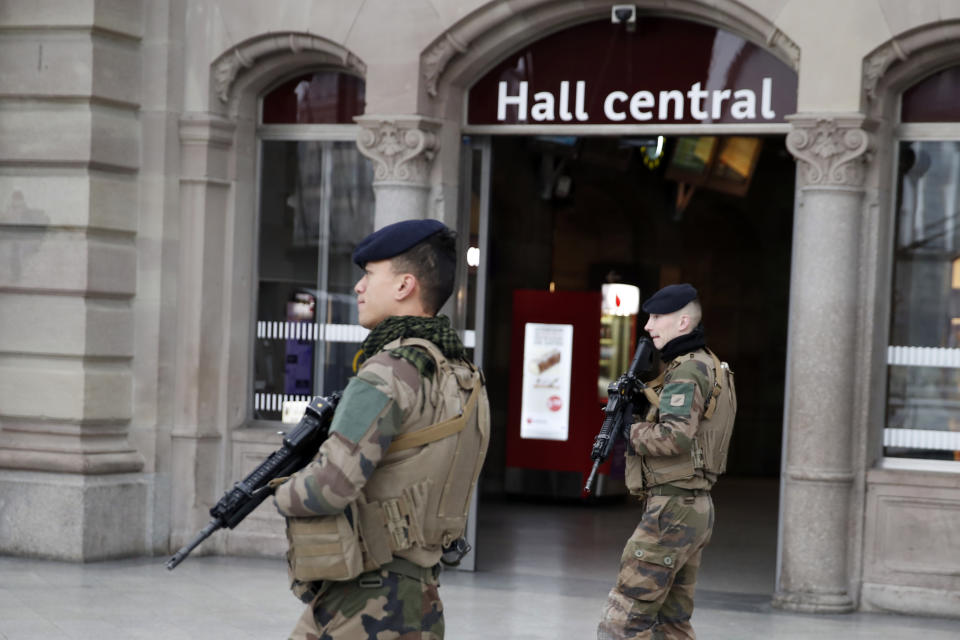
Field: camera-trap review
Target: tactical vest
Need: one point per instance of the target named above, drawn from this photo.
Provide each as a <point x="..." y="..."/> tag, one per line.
<point x="417" y="500"/>
<point x="712" y="442"/>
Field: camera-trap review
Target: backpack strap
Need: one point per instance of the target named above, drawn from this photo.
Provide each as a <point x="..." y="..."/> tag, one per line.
<point x="446" y="428"/>
<point x="436" y="431"/>
<point x="717" y="385"/>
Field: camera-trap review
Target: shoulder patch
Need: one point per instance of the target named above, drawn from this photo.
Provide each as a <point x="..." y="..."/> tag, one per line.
<point x="358" y="409"/>
<point x="676" y="398"/>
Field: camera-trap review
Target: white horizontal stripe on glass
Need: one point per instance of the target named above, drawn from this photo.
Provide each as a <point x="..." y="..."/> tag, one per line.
<point x="274" y="401"/>
<point x="922" y="439"/>
<point x="272" y="330"/>
<point x="351" y="333"/>
<point x="923" y="357"/>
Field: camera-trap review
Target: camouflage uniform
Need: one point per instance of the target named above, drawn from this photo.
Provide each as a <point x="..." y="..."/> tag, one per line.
<point x="391" y="394"/>
<point x="401" y="607"/>
<point x="653" y="597"/>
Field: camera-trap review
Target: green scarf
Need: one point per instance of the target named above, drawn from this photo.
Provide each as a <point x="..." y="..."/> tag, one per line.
<point x="435" y="329"/>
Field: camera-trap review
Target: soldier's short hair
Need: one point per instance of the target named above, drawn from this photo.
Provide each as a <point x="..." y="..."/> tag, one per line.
<point x="695" y="311"/>
<point x="433" y="262"/>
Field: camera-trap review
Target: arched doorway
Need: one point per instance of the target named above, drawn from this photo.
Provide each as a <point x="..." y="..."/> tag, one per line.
<point x="576" y="178"/>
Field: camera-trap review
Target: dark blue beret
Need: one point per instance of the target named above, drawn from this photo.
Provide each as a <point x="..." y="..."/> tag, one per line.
<point x="394" y="239"/>
<point x="671" y="298"/>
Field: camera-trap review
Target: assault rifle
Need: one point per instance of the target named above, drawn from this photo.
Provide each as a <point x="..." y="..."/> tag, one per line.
<point x="299" y="448"/>
<point x="624" y="398"/>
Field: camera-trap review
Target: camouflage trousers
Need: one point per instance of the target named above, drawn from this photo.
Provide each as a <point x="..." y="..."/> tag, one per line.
<point x="653" y="597"/>
<point x="376" y="606"/>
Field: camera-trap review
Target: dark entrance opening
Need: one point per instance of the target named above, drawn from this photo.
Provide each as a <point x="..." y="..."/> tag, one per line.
<point x="575" y="212"/>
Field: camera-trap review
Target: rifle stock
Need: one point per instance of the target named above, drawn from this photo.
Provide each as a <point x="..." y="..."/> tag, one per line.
<point x="625" y="393"/>
<point x="298" y="449"/>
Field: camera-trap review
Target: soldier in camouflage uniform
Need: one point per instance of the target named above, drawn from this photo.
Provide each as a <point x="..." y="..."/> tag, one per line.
<point x="409" y="268"/>
<point x="673" y="460"/>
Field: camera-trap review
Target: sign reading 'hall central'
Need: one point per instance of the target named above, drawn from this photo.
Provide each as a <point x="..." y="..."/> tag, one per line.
<point x="665" y="72"/>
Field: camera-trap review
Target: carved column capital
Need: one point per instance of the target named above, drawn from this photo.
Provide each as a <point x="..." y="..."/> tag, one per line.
<point x="833" y="150"/>
<point x="401" y="147"/>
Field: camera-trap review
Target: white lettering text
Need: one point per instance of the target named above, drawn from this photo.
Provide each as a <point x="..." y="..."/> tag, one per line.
<point x="565" y="114"/>
<point x="717" y="105"/>
<point x="695" y="95"/>
<point x="766" y="91"/>
<point x="665" y="98"/>
<point x="581" y="90"/>
<point x="519" y="100"/>
<point x="711" y="105"/>
<point x="608" y="108"/>
<point x="542" y="108"/>
<point x="640" y="105"/>
<point x="744" y="104"/>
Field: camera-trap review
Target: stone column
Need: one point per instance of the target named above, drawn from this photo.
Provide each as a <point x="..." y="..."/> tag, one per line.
<point x="817" y="477"/>
<point x="70" y="486"/>
<point x="402" y="149"/>
<point x="203" y="292"/>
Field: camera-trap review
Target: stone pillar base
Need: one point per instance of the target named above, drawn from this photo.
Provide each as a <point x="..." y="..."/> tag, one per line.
<point x="73" y="517"/>
<point x="813" y="602"/>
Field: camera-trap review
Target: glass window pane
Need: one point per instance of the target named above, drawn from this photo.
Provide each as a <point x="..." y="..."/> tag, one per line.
<point x="923" y="386"/>
<point x="325" y="97"/>
<point x="316" y="203"/>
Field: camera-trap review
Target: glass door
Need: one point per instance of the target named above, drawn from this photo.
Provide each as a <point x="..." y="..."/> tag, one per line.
<point x="471" y="295"/>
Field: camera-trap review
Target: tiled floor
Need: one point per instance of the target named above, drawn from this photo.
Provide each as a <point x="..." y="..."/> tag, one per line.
<point x="543" y="573"/>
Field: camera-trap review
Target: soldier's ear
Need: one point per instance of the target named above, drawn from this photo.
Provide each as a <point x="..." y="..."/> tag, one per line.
<point x="406" y="286"/>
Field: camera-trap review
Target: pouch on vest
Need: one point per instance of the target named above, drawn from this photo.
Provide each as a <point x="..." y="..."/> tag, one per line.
<point x="325" y="547"/>
<point x="392" y="525"/>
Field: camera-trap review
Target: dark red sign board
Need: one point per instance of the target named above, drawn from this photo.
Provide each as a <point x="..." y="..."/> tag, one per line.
<point x="582" y="310"/>
<point x="933" y="99"/>
<point x="667" y="71"/>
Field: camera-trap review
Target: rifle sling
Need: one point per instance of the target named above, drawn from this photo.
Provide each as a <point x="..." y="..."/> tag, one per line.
<point x="649" y="392"/>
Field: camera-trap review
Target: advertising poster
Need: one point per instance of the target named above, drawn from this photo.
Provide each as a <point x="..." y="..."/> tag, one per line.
<point x="547" y="360"/>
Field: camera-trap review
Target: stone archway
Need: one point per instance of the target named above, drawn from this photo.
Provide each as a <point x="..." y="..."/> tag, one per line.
<point x="217" y="237"/>
<point x="461" y="54"/>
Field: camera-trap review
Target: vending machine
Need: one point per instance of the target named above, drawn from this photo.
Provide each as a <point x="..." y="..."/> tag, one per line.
<point x="568" y="346"/>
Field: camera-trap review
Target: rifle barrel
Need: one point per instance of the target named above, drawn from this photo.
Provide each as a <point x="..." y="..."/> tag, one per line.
<point x="593" y="474"/>
<point x="187" y="548"/>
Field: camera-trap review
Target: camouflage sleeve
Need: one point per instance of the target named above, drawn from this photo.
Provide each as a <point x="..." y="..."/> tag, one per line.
<point x="374" y="406"/>
<point x="681" y="405"/>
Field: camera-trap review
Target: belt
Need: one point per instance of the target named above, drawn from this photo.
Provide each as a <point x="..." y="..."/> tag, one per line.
<point x="412" y="570"/>
<point x="670" y="490"/>
<point x="373" y="579"/>
<point x="403" y="567"/>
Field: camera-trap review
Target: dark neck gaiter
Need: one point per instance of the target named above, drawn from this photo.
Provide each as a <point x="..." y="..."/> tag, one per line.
<point x="683" y="344"/>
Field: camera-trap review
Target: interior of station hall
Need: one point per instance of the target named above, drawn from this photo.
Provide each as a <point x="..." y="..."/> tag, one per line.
<point x="575" y="213"/>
